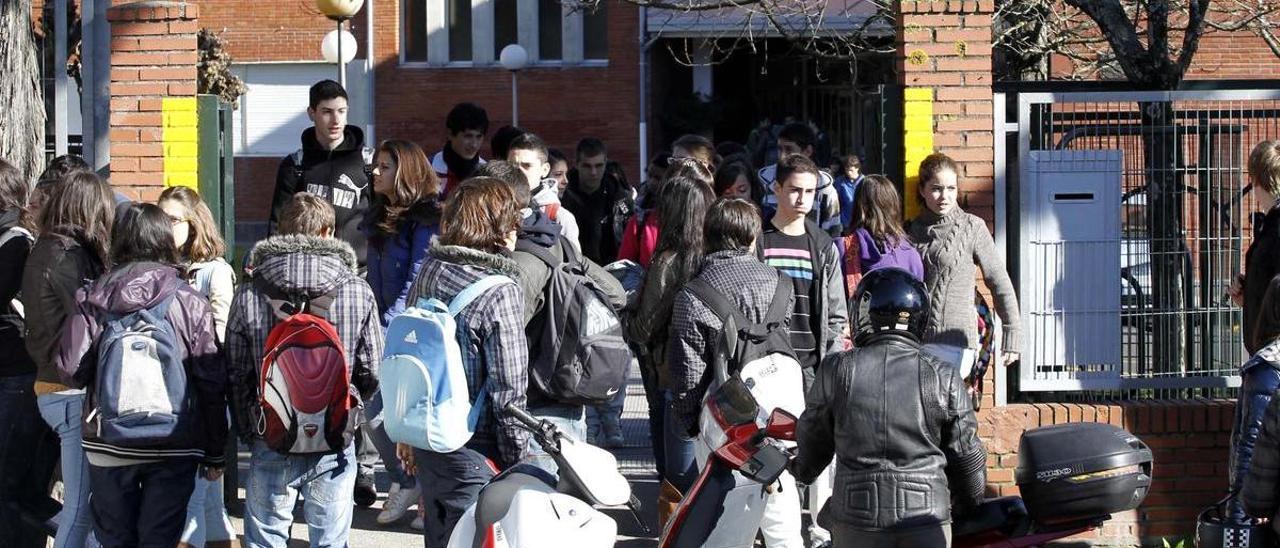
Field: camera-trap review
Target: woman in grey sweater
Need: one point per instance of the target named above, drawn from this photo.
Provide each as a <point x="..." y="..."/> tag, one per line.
<point x="952" y="243"/>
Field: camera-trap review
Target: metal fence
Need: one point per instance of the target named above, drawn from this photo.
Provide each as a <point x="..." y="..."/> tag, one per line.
<point x="1131" y="216"/>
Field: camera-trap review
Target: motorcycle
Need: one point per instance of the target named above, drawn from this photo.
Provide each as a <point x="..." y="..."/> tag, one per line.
<point x="1005" y="523"/>
<point x="724" y="507"/>
<point x="527" y="506"/>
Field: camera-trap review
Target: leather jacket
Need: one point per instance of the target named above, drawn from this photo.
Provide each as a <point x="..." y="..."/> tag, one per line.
<point x="904" y="431"/>
<point x="1260" y="377"/>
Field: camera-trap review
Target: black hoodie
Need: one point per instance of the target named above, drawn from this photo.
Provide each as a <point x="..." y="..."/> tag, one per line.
<point x="14" y="359"/>
<point x="340" y="176"/>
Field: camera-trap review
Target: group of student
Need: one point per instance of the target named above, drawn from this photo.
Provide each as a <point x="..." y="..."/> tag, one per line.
<point x="358" y="235"/>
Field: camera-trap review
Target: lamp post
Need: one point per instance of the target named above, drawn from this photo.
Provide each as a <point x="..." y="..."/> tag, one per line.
<point x="335" y="42"/>
<point x="514" y="58"/>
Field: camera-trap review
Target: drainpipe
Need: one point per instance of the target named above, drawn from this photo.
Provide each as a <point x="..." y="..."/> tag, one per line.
<point x="644" y="94"/>
<point x="370" y="69"/>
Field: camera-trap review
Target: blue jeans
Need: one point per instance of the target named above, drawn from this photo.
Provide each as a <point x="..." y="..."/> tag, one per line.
<point x="681" y="466"/>
<point x="569" y="419"/>
<point x="207" y="518"/>
<point x="386" y="448"/>
<point x="28" y="456"/>
<point x="63" y="412"/>
<point x="607" y="418"/>
<point x="275" y="481"/>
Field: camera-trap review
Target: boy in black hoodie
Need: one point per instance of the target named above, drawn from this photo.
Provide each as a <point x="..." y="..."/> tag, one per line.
<point x="333" y="164"/>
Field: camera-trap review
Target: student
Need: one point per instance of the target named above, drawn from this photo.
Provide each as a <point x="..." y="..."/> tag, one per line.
<point x="467" y="123"/>
<point x="1262" y="262"/>
<point x="640" y="236"/>
<point x="200" y="248"/>
<point x="697" y="147"/>
<point x="951" y="244"/>
<point x="807" y="255"/>
<point x="141" y="480"/>
<point x="28" y="449"/>
<point x="676" y="260"/>
<point x="737" y="180"/>
<point x="528" y="152"/>
<point x="333" y="163"/>
<point x="500" y="143"/>
<point x="538" y="231"/>
<point x="598" y="200"/>
<point x="800" y="138"/>
<point x="732" y="267"/>
<point x="559" y="169"/>
<point x="481" y="222"/>
<point x="881" y="240"/>
<point x="303" y="262"/>
<point x="406" y="216"/>
<point x="847" y="188"/>
<point x="72" y="250"/>
<point x="900" y="463"/>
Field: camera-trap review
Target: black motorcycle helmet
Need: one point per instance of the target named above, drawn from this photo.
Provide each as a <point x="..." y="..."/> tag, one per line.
<point x="889" y="301"/>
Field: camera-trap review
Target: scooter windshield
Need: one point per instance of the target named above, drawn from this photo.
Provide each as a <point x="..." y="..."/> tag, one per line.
<point x="734" y="403"/>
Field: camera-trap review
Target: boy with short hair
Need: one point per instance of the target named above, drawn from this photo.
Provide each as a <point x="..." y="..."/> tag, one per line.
<point x="800" y="138"/>
<point x="304" y="263"/>
<point x="467" y="124"/>
<point x="599" y="201"/>
<point x="529" y="153"/>
<point x="332" y="163"/>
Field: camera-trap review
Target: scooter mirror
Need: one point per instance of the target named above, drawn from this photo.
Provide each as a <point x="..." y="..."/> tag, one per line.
<point x="781" y="425"/>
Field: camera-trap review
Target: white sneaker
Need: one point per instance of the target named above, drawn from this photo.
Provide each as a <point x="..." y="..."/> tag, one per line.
<point x="417" y="524"/>
<point x="399" y="501"/>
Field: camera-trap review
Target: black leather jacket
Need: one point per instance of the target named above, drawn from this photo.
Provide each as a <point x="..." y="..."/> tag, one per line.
<point x="1260" y="377"/>
<point x="904" y="431"/>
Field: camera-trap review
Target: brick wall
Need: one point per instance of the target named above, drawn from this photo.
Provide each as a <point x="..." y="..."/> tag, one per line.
<point x="1189" y="439"/>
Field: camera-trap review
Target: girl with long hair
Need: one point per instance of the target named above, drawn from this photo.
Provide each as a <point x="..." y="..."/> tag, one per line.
<point x="881" y="239"/>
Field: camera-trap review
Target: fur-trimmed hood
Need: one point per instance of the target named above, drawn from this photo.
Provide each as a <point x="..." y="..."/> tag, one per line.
<point x="500" y="264"/>
<point x="305" y="265"/>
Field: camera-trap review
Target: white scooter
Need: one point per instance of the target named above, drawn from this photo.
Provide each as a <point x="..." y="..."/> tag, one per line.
<point x="527" y="507"/>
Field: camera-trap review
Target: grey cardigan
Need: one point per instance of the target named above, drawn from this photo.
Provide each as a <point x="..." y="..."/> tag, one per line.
<point x="951" y="248"/>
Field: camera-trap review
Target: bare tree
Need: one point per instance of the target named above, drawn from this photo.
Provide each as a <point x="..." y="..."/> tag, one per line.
<point x="21" y="96"/>
<point x="829" y="29"/>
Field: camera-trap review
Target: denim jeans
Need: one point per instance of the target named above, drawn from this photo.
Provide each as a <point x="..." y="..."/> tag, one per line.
<point x="451" y="482"/>
<point x="681" y="466"/>
<point x="62" y="411"/>
<point x="656" y="398"/>
<point x="28" y="456"/>
<point x="569" y="419"/>
<point x="386" y="448"/>
<point x="607" y="419"/>
<point x="207" y="518"/>
<point x="141" y="505"/>
<point x="275" y="481"/>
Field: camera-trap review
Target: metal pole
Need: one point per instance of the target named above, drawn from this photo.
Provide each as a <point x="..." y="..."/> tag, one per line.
<point x="60" y="77"/>
<point x="515" y="100"/>
<point x="370" y="76"/>
<point x="342" y="65"/>
<point x="96" y="71"/>
<point x="87" y="30"/>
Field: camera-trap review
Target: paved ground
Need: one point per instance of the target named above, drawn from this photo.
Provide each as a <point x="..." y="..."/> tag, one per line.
<point x="635" y="461"/>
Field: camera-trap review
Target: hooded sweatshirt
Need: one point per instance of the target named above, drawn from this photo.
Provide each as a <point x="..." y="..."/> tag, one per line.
<point x="394" y="260"/>
<point x="306" y="267"/>
<point x="127" y="289"/>
<point x="339" y="176"/>
<point x="547" y="198"/>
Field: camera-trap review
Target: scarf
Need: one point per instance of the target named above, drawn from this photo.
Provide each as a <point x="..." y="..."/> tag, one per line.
<point x="459" y="168"/>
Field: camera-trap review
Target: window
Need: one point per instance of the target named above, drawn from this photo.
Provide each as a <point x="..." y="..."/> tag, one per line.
<point x="452" y="33"/>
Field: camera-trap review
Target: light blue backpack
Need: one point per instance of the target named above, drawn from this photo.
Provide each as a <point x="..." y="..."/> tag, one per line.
<point x="426" y="402"/>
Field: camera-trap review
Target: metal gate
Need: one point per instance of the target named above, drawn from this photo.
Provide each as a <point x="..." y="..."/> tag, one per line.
<point x="1184" y="224"/>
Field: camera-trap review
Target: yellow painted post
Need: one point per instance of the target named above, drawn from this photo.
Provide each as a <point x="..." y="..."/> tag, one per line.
<point x="181" y="136"/>
<point x="917" y="124"/>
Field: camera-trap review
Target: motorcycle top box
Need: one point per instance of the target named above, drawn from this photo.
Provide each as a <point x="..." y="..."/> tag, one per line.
<point x="1079" y="471"/>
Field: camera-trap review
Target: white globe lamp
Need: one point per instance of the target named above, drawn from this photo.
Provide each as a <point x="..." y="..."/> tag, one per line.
<point x="514" y="58"/>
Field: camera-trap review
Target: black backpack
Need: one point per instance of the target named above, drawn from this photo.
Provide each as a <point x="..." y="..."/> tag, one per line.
<point x="578" y="354"/>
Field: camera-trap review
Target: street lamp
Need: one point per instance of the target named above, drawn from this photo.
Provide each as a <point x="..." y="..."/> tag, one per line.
<point x="335" y="42"/>
<point x="514" y="58"/>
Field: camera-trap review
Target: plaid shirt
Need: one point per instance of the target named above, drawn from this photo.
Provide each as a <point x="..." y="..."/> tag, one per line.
<point x="495" y="352"/>
<point x="695" y="329"/>
<point x="307" y="266"/>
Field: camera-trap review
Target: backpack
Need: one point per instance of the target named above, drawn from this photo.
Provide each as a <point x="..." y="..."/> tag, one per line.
<point x="426" y="402"/>
<point x="140" y="393"/>
<point x="10" y="234"/>
<point x="581" y="357"/>
<point x="307" y="402"/>
<point x="368" y="154"/>
<point x="758" y="353"/>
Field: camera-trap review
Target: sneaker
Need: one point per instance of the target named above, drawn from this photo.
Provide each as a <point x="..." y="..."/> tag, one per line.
<point x="417" y="524"/>
<point x="365" y="493"/>
<point x="399" y="501"/>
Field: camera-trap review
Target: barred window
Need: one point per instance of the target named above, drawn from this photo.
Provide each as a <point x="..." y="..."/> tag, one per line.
<point x="473" y="32"/>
